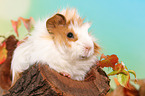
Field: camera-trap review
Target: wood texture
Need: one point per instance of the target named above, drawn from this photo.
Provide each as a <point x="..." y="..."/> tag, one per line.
<point x="43" y="81"/>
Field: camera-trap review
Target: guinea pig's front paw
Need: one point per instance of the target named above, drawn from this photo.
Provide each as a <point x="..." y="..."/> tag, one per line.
<point x="65" y="74"/>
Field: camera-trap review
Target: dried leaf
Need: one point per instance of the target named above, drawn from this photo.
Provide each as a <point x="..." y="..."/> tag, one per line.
<point x="28" y="23"/>
<point x="133" y="72"/>
<point x="108" y="61"/>
<point x="114" y="73"/>
<point x="16" y="25"/>
<point x="119" y="69"/>
<point x="3" y="52"/>
<point x="124" y="79"/>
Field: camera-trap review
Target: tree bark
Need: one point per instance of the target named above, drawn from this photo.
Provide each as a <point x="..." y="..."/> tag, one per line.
<point x="43" y="81"/>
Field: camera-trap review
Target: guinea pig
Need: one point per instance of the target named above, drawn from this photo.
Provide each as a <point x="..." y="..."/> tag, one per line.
<point x="62" y="42"/>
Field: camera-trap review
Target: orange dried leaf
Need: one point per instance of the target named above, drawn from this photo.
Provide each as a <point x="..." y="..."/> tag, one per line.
<point x="119" y="67"/>
<point x="108" y="61"/>
<point x="16" y="25"/>
<point x="3" y="52"/>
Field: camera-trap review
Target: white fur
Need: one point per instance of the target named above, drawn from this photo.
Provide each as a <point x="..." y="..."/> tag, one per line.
<point x="39" y="47"/>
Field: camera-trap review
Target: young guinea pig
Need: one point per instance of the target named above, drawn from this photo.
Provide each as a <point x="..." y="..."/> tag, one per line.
<point x="61" y="41"/>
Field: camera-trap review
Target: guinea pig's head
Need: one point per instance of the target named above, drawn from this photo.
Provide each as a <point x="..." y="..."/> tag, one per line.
<point x="71" y="37"/>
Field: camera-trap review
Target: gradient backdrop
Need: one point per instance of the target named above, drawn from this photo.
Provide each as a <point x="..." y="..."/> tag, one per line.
<point x="119" y="25"/>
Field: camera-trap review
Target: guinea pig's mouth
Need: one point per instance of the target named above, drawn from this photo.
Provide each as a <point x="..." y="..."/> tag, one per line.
<point x="83" y="57"/>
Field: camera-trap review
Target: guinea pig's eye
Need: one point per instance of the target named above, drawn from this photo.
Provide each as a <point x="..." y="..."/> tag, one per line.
<point x="70" y="35"/>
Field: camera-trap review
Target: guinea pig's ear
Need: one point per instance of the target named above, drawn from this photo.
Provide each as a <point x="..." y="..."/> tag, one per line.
<point x="55" y="21"/>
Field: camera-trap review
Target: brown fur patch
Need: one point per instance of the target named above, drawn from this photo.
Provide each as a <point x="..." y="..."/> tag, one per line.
<point x="58" y="29"/>
<point x="60" y="35"/>
<point x="96" y="49"/>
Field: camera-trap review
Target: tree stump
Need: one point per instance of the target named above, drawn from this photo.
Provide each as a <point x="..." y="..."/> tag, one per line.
<point x="41" y="80"/>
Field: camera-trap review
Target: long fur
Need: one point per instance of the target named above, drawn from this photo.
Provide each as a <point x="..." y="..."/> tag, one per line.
<point x="40" y="47"/>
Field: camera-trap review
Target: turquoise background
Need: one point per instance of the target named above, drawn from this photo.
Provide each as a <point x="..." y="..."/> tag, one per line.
<point x="119" y="25"/>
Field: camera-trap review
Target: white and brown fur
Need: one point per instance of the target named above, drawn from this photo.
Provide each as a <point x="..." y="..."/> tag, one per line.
<point x="50" y="45"/>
